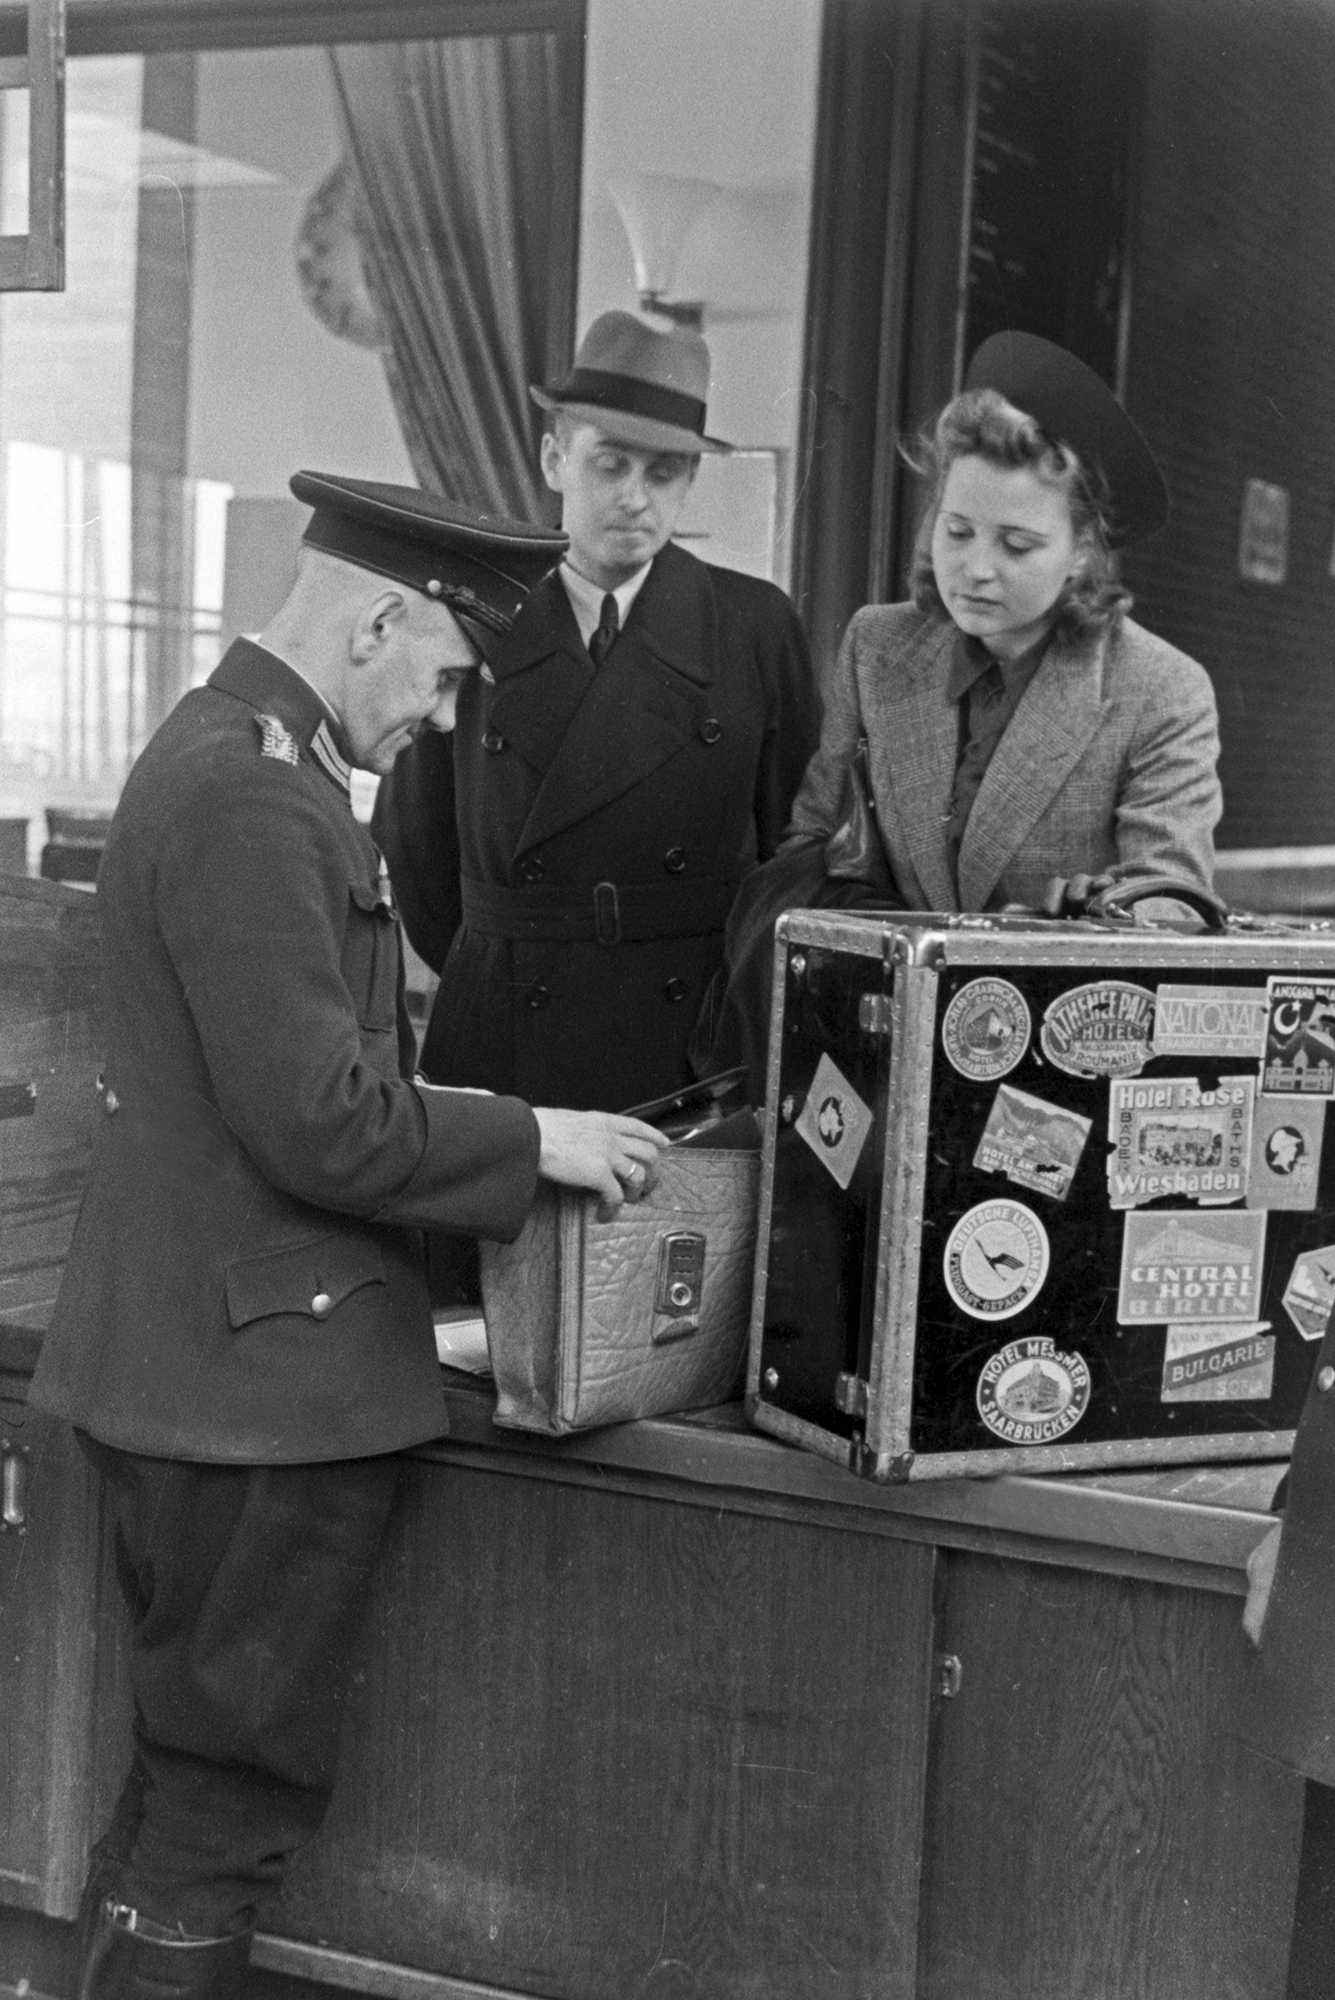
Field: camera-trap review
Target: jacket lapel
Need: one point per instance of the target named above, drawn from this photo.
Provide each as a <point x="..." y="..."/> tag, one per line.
<point x="649" y="699"/>
<point x="1050" y="731"/>
<point x="918" y="728"/>
<point x="543" y="672"/>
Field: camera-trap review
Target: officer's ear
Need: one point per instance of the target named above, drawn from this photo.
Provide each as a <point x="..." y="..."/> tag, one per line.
<point x="377" y="622"/>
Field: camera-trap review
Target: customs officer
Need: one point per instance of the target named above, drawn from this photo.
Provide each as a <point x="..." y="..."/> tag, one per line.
<point x="243" y="1339"/>
<point x="567" y="863"/>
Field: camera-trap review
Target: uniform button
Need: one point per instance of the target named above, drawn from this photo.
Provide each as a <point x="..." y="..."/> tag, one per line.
<point x="493" y="741"/>
<point x="711" y="730"/>
<point x="111" y="1104"/>
<point x="675" y="860"/>
<point x="675" y="989"/>
<point x="322" y="1305"/>
<point x="538" y="996"/>
<point x="532" y="870"/>
<point x="1325" y="1380"/>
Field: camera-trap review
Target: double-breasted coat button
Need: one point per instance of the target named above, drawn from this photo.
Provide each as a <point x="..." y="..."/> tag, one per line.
<point x="493" y="741"/>
<point x="675" y="989"/>
<point x="111" y="1104"/>
<point x="675" y="860"/>
<point x="711" y="729"/>
<point x="1325" y="1380"/>
<point x="532" y="870"/>
<point x="538" y="996"/>
<point x="322" y="1305"/>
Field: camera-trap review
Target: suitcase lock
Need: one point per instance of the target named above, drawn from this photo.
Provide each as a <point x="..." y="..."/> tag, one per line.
<point x="681" y="1283"/>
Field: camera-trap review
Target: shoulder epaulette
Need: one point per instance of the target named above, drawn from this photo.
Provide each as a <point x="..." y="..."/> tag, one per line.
<point x="277" y="740"/>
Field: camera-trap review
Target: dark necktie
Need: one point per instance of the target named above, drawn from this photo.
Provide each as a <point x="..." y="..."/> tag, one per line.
<point x="602" y="641"/>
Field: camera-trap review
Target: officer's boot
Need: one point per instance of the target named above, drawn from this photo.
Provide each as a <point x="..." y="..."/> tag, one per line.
<point x="133" y="1958"/>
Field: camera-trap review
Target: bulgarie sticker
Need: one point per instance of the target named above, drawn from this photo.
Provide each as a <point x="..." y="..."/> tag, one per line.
<point x="986" y="1029"/>
<point x="1218" y="1364"/>
<point x="1197" y="1266"/>
<point x="834" y="1121"/>
<point x="1170" y="1137"/>
<point x="1100" y="1030"/>
<point x="1035" y="1144"/>
<point x="1286" y="1152"/>
<point x="1030" y="1393"/>
<point x="1310" y="1292"/>
<point x="1299" y="1056"/>
<point x="1219" y="1021"/>
<point x="996" y="1259"/>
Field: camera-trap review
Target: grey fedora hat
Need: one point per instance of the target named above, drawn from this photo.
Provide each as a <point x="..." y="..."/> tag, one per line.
<point x="641" y="386"/>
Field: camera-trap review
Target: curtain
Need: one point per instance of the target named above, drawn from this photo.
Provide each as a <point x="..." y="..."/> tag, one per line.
<point x="468" y="241"/>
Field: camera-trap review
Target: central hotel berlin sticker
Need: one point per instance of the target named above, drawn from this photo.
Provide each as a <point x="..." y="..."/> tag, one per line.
<point x="1100" y="1030"/>
<point x="996" y="1259"/>
<point x="1193" y="1266"/>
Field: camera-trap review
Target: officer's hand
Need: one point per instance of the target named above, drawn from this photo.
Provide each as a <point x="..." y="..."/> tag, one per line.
<point x="1260" y="1576"/>
<point x="614" y="1156"/>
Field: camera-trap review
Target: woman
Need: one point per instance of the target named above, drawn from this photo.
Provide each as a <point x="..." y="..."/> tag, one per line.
<point x="1022" y="731"/>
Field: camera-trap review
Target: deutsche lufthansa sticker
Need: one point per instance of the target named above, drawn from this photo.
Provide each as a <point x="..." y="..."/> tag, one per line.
<point x="1100" y="1030"/>
<point x="1310" y="1292"/>
<point x="996" y="1259"/>
<point x="834" y="1121"/>
<point x="986" y="1029"/>
<point x="1030" y="1393"/>
<point x="1035" y="1144"/>
<point x="1218" y="1364"/>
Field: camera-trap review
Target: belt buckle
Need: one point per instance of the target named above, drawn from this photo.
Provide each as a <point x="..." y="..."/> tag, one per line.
<point x="606" y="913"/>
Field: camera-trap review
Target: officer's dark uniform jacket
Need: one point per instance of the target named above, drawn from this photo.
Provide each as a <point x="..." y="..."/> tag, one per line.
<point x="245" y="1282"/>
<point x="569" y="863"/>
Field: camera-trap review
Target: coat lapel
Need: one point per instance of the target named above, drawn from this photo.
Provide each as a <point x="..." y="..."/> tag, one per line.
<point x="649" y="699"/>
<point x="918" y="729"/>
<point x="543" y="672"/>
<point x="1050" y="731"/>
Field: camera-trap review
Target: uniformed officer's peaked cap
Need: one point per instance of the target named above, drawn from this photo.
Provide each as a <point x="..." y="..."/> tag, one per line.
<point x="481" y="565"/>
<point x="1077" y="408"/>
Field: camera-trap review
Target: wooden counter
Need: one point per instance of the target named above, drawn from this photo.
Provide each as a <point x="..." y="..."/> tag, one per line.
<point x="676" y="1710"/>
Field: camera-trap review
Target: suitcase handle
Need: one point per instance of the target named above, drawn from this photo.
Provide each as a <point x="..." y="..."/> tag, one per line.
<point x="1095" y="896"/>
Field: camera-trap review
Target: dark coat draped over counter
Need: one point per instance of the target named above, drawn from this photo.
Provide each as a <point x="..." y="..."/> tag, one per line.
<point x="568" y="861"/>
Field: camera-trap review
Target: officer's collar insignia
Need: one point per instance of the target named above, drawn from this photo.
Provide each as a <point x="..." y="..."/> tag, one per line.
<point x="327" y="753"/>
<point x="277" y="740"/>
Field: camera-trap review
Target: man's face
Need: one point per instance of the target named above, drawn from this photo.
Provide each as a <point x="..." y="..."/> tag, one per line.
<point x="410" y="661"/>
<point x="619" y="503"/>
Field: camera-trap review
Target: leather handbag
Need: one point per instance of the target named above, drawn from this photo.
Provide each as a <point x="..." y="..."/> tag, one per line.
<point x="592" y="1322"/>
<point x="854" y="852"/>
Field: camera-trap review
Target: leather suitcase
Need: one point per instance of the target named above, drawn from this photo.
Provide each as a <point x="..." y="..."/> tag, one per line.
<point x="593" y="1322"/>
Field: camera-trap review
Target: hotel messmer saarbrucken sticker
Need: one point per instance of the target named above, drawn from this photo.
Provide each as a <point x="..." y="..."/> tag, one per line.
<point x="986" y="1029"/>
<point x="1031" y="1393"/>
<point x="1103" y="1029"/>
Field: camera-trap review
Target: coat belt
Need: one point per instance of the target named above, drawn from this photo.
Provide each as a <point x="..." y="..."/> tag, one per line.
<point x="607" y="913"/>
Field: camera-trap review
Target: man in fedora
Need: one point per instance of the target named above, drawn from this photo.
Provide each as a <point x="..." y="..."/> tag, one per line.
<point x="568" y="863"/>
<point x="242" y="1339"/>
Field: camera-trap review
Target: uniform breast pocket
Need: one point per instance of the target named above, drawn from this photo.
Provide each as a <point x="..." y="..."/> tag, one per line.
<point x="371" y="958"/>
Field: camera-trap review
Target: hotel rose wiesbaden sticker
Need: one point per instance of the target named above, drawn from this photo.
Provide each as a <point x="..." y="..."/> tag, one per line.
<point x="1194" y="1266"/>
<point x="986" y="1029"/>
<point x="1170" y="1137"/>
<point x="1030" y="1393"/>
<point x="1099" y="1030"/>
<point x="996" y="1259"/>
<point x="834" y="1121"/>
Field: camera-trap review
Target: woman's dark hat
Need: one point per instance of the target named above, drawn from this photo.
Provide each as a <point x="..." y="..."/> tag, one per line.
<point x="641" y="386"/>
<point x="481" y="565"/>
<point x="1077" y="408"/>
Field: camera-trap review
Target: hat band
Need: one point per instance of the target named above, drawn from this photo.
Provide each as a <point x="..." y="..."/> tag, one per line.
<point x="633" y="398"/>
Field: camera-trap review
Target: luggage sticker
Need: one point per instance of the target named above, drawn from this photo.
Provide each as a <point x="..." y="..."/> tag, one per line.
<point x="1029" y="1393"/>
<point x="986" y="1029"/>
<point x="1210" y="1021"/>
<point x="1100" y="1030"/>
<point x="1194" y="1266"/>
<point x="1310" y="1292"/>
<point x="1170" y="1137"/>
<point x="1286" y="1152"/>
<point x="1299" y="1058"/>
<point x="1035" y="1144"/>
<point x="834" y="1121"/>
<point x="1218" y="1364"/>
<point x="996" y="1259"/>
